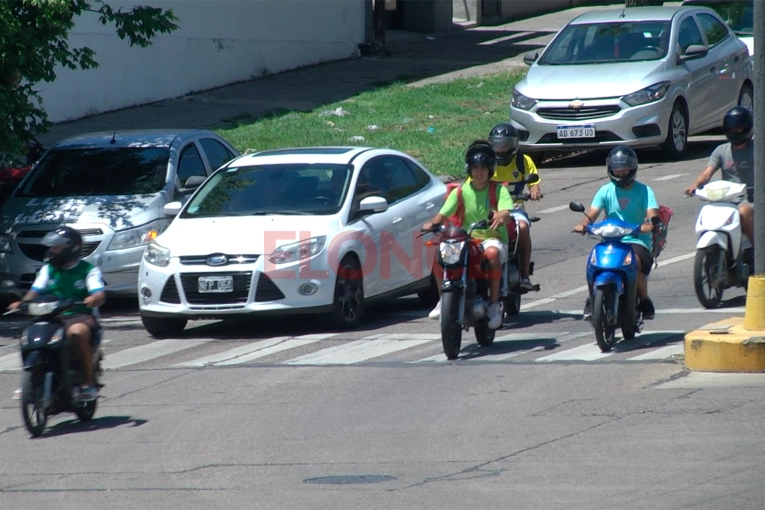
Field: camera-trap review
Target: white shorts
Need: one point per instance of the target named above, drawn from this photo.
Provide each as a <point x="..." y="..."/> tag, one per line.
<point x="498" y="244"/>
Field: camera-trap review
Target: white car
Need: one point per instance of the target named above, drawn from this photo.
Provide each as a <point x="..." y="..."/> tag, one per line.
<point x="323" y="230"/>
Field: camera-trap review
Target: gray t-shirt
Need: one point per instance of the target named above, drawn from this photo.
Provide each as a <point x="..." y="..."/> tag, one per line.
<point x="737" y="164"/>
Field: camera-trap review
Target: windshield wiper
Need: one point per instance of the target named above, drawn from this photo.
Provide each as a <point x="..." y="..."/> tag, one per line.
<point x="283" y="213"/>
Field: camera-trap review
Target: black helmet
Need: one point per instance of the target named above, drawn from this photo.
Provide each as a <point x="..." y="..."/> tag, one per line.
<point x="622" y="157"/>
<point x="738" y="117"/>
<point x="64" y="246"/>
<point x="504" y="141"/>
<point x="480" y="153"/>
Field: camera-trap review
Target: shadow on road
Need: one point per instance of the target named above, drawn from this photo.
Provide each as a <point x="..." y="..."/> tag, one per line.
<point x="104" y="422"/>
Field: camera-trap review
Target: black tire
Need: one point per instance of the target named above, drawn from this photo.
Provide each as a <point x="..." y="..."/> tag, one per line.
<point x="163" y="327"/>
<point x="85" y="411"/>
<point x="35" y="419"/>
<point x="708" y="291"/>
<point x="605" y="332"/>
<point x="451" y="329"/>
<point x="628" y="313"/>
<point x="484" y="335"/>
<point x="430" y="296"/>
<point x="512" y="305"/>
<point x="677" y="133"/>
<point x="348" y="306"/>
<point x="746" y="97"/>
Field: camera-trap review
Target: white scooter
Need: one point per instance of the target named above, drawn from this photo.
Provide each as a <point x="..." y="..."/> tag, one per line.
<point x="724" y="256"/>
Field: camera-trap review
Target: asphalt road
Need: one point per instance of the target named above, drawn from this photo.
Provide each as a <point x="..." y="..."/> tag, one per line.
<point x="278" y="413"/>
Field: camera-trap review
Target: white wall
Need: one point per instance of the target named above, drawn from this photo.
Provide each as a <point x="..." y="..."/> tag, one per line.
<point x="218" y="42"/>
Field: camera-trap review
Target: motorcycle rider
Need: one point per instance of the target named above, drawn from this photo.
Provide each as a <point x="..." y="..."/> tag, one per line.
<point x="632" y="202"/>
<point x="504" y="141"/>
<point x="66" y="275"/>
<point x="480" y="162"/>
<point x="736" y="159"/>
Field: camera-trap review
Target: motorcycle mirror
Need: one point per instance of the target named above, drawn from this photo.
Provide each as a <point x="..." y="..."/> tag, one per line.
<point x="576" y="207"/>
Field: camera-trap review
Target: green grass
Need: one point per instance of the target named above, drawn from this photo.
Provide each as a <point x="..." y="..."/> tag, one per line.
<point x="434" y="123"/>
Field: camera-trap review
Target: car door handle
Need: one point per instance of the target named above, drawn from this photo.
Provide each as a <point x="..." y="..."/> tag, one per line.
<point x="430" y="205"/>
<point x="396" y="220"/>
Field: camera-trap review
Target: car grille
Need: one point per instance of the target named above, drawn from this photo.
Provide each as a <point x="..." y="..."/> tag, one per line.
<point x="600" y="136"/>
<point x="38" y="251"/>
<point x="583" y="113"/>
<point x="201" y="260"/>
<point x="170" y="292"/>
<point x="242" y="281"/>
<point x="267" y="290"/>
<point x="41" y="233"/>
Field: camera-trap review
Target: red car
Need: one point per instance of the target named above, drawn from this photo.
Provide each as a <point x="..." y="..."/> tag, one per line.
<point x="11" y="175"/>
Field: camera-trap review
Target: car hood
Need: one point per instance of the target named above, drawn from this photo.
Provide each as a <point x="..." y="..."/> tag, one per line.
<point x="118" y="212"/>
<point x="589" y="81"/>
<point x="245" y="235"/>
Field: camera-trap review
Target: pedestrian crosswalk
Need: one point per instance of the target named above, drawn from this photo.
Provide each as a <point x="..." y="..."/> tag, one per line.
<point x="333" y="349"/>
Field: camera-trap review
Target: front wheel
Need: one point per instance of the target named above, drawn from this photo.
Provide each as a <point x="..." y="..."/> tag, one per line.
<point x="602" y="319"/>
<point x="35" y="417"/>
<point x="451" y="329"/>
<point x="707" y="279"/>
<point x="348" y="307"/>
<point x="677" y="133"/>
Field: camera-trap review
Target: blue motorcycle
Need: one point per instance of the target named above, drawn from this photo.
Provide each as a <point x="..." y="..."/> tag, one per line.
<point x="612" y="272"/>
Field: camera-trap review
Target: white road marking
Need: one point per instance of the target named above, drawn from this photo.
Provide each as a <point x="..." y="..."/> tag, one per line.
<point x="553" y="209"/>
<point x="232" y="353"/>
<point x="587" y="352"/>
<point x="283" y="345"/>
<point x="559" y="338"/>
<point x="354" y="352"/>
<point x="505" y="38"/>
<point x="661" y="353"/>
<point x="667" y="311"/>
<point x="669" y="177"/>
<point x="147" y="352"/>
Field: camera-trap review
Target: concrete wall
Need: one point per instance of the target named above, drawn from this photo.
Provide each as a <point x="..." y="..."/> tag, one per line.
<point x="495" y="12"/>
<point x="219" y="42"/>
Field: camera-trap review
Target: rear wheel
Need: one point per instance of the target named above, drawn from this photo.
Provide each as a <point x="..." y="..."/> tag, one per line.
<point x="602" y="318"/>
<point x="629" y="315"/>
<point x="512" y="304"/>
<point x="163" y="327"/>
<point x="677" y="133"/>
<point x="86" y="410"/>
<point x="35" y="417"/>
<point x="451" y="329"/>
<point x="484" y="335"/>
<point x="707" y="279"/>
<point x="746" y="97"/>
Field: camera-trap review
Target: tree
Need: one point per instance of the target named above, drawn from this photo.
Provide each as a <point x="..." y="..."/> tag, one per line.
<point x="33" y="41"/>
<point x="643" y="3"/>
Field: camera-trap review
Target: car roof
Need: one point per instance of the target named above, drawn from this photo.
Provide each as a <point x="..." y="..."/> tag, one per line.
<point x="630" y="14"/>
<point x="329" y="155"/>
<point x="145" y="138"/>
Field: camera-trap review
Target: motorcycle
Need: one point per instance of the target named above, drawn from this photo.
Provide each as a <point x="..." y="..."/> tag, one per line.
<point x="51" y="376"/>
<point x="612" y="272"/>
<point x="511" y="276"/>
<point x="724" y="257"/>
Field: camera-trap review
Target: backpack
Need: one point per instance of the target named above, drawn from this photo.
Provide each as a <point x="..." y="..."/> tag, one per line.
<point x="660" y="234"/>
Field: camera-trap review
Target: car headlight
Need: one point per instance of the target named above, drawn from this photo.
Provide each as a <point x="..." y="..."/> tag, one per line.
<point x="137" y="236"/>
<point x="522" y="102"/>
<point x="450" y="252"/>
<point x="5" y="243"/>
<point x="648" y="94"/>
<point x="297" y="251"/>
<point x="157" y="255"/>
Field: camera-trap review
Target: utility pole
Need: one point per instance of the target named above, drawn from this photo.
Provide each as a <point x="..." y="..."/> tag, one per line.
<point x="755" y="299"/>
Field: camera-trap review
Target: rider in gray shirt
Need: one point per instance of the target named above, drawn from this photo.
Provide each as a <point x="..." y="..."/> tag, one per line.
<point x="736" y="159"/>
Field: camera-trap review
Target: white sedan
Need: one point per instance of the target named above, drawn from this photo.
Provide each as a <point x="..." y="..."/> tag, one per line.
<point x="322" y="230"/>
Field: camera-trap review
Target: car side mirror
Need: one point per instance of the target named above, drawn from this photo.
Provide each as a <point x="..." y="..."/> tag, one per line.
<point x="576" y="207"/>
<point x="531" y="179"/>
<point x="372" y="205"/>
<point x="172" y="209"/>
<point x="194" y="181"/>
<point x="693" y="52"/>
<point x="530" y="58"/>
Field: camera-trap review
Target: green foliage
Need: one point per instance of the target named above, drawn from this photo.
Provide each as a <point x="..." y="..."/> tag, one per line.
<point x="34" y="40"/>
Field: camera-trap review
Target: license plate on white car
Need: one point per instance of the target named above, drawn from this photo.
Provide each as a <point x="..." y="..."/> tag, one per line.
<point x="215" y="284"/>
<point x="567" y="132"/>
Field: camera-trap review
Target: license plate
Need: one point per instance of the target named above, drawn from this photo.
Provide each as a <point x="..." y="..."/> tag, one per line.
<point x="215" y="284"/>
<point x="586" y="131"/>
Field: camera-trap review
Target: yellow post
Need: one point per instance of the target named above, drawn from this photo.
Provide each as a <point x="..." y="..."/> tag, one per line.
<point x="754" y="318"/>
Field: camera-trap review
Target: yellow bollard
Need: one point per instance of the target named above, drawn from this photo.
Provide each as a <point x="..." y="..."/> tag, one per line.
<point x="754" y="318"/>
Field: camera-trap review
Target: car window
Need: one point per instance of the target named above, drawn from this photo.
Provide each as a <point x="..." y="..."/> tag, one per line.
<point x="688" y="34"/>
<point x="596" y="43"/>
<point x="216" y="152"/>
<point x="401" y="180"/>
<point x="422" y="177"/>
<point x="112" y="171"/>
<point x="715" y="31"/>
<point x="371" y="182"/>
<point x="739" y="15"/>
<point x="190" y="164"/>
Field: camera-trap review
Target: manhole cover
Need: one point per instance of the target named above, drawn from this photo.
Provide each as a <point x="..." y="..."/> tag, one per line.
<point x="350" y="479"/>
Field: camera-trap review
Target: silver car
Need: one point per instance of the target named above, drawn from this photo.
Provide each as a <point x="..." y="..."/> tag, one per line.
<point x="111" y="187"/>
<point x="642" y="76"/>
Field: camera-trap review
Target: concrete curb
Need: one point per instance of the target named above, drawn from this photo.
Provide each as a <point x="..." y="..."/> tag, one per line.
<point x="725" y="346"/>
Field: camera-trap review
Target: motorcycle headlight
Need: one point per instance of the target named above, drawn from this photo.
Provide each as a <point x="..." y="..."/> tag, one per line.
<point x="297" y="251"/>
<point x="522" y="102"/>
<point x="137" y="236"/>
<point x="647" y="95"/>
<point x="39" y="309"/>
<point x="450" y="252"/>
<point x="5" y="243"/>
<point x="57" y="337"/>
<point x="157" y="255"/>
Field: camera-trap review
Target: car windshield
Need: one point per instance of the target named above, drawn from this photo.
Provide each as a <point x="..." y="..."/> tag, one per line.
<point x="605" y="43"/>
<point x="738" y="15"/>
<point x="315" y="189"/>
<point x="110" y="171"/>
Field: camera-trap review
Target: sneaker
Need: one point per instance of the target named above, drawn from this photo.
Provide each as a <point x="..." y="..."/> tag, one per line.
<point x="17" y="394"/>
<point x="646" y="306"/>
<point x="495" y="316"/>
<point x="587" y="313"/>
<point x="526" y="284"/>
<point x="435" y="313"/>
<point x="88" y="394"/>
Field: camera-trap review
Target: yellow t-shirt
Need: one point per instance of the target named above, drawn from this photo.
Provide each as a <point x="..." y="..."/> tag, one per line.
<point x="510" y="174"/>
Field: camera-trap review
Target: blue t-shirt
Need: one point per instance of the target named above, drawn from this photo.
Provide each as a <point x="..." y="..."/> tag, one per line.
<point x="629" y="205"/>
